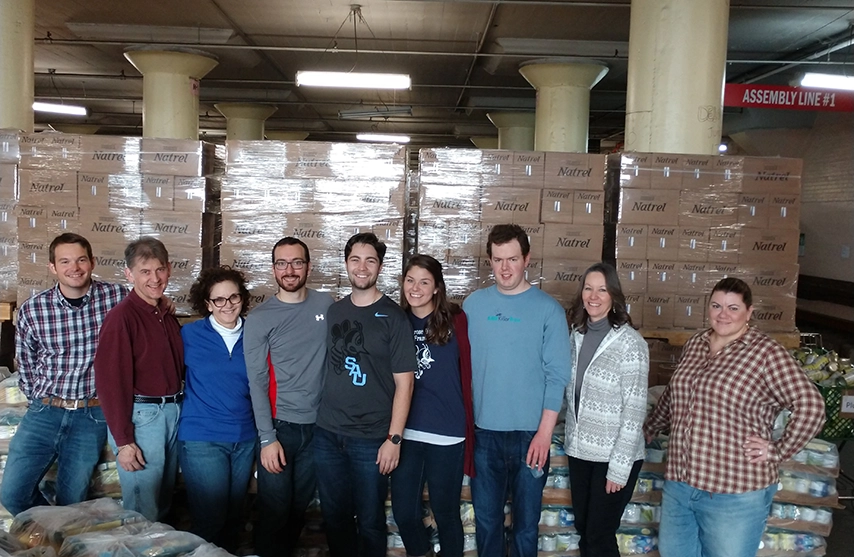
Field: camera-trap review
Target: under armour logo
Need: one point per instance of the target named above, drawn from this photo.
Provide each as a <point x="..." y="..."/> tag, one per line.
<point x="319" y="317"/>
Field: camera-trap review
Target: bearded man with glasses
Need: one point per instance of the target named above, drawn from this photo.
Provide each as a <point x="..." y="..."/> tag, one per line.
<point x="285" y="351"/>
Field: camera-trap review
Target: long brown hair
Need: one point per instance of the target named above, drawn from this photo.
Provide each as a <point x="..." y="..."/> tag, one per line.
<point x="617" y="316"/>
<point x="440" y="325"/>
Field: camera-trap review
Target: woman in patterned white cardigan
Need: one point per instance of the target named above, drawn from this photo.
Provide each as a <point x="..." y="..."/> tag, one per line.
<point x="606" y="407"/>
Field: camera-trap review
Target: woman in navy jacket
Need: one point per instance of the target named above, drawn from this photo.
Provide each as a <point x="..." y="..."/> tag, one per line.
<point x="216" y="433"/>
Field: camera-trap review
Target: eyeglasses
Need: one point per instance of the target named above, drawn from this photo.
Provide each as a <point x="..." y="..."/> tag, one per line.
<point x="296" y="264"/>
<point x="234" y="299"/>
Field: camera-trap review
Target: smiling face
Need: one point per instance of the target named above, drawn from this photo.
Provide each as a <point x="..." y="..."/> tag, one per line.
<point x="149" y="278"/>
<point x="363" y="267"/>
<point x="508" y="267"/>
<point x="291" y="279"/>
<point x="220" y="303"/>
<point x="595" y="296"/>
<point x="419" y="287"/>
<point x="728" y="314"/>
<point x="73" y="269"/>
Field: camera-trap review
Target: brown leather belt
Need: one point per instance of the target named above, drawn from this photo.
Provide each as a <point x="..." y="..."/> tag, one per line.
<point x="67" y="404"/>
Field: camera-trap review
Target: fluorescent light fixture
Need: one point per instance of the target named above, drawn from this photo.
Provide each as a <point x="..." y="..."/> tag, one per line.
<point x="354" y="80"/>
<point x="722" y="148"/>
<point x="71" y="109"/>
<point x="383" y="137"/>
<point x="375" y="112"/>
<point x="828" y="81"/>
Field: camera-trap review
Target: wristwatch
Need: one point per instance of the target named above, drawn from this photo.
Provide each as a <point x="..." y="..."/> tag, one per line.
<point x="395" y="439"/>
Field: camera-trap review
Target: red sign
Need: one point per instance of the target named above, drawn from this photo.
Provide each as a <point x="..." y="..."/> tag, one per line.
<point x="782" y="97"/>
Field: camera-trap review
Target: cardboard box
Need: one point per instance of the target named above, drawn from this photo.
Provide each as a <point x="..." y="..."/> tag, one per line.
<point x="720" y="271"/>
<point x="441" y="201"/>
<point x="703" y="209"/>
<point x="528" y="169"/>
<point x="31" y="284"/>
<point x="34" y="252"/>
<point x="716" y="173"/>
<point x="255" y="263"/>
<point x="775" y="245"/>
<point x="663" y="243"/>
<point x="693" y="244"/>
<point x="175" y="228"/>
<point x="8" y="181"/>
<point x="186" y="262"/>
<point x="663" y="277"/>
<point x="588" y="207"/>
<point x="432" y="236"/>
<point x="574" y="171"/>
<point x="772" y="279"/>
<point x="648" y="207"/>
<point x="158" y="192"/>
<point x="634" y="307"/>
<point x="466" y="238"/>
<point x="772" y="174"/>
<point x="658" y="311"/>
<point x="633" y="169"/>
<point x="113" y="227"/>
<point x="633" y="275"/>
<point x="49" y="151"/>
<point x="63" y="224"/>
<point x="557" y="206"/>
<point x="510" y="205"/>
<point x="109" y="154"/>
<point x="190" y="194"/>
<point x="109" y="262"/>
<point x="562" y="278"/>
<point x="249" y="228"/>
<point x="10" y="151"/>
<point x="774" y="313"/>
<point x="46" y="187"/>
<point x="175" y="157"/>
<point x="631" y="241"/>
<point x="120" y="191"/>
<point x="8" y="216"/>
<point x="724" y="244"/>
<point x="784" y="211"/>
<point x="317" y="231"/>
<point x="573" y="242"/>
<point x="689" y="311"/>
<point x="753" y="209"/>
<point x="666" y="171"/>
<point x="32" y="229"/>
<point x="693" y="278"/>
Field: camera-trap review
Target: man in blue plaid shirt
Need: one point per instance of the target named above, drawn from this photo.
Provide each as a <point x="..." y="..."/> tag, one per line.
<point x="56" y="338"/>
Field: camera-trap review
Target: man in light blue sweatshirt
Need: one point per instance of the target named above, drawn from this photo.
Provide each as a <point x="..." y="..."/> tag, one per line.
<point x="520" y="367"/>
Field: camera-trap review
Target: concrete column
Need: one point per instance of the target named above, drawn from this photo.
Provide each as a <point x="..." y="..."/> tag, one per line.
<point x="170" y="90"/>
<point x="563" y="102"/>
<point x="515" y="129"/>
<point x="17" y="26"/>
<point x="286" y="136"/>
<point x="77" y="129"/>
<point x="677" y="57"/>
<point x="245" y="120"/>
<point x="485" y="141"/>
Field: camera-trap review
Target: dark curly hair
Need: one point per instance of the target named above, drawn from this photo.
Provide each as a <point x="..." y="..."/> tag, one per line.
<point x="201" y="290"/>
<point x="618" y="315"/>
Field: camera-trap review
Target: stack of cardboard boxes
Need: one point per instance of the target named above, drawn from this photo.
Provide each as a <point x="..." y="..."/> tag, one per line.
<point x="557" y="198"/>
<point x="321" y="193"/>
<point x="680" y="223"/>
<point x="9" y="157"/>
<point x="112" y="190"/>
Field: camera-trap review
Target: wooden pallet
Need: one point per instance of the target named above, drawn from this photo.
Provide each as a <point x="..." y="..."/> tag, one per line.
<point x="678" y="337"/>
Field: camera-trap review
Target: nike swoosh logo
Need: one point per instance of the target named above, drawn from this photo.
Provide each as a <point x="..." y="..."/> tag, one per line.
<point x="378" y="314"/>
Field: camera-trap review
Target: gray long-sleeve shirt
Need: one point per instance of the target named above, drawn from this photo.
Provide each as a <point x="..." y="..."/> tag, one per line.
<point x="285" y="350"/>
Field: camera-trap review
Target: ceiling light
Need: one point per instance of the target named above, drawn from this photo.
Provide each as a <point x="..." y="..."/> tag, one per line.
<point x="354" y="80"/>
<point x="375" y="112"/>
<point x="383" y="137"/>
<point x="722" y="148"/>
<point x="71" y="109"/>
<point x="828" y="81"/>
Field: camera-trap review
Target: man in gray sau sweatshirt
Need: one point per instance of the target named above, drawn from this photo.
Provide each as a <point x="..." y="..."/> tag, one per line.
<point x="285" y="347"/>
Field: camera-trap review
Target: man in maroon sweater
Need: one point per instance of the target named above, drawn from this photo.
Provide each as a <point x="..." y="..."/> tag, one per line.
<point x="139" y="370"/>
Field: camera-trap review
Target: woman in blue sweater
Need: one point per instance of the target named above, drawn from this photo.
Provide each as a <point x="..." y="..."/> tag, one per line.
<point x="438" y="441"/>
<point x="216" y="433"/>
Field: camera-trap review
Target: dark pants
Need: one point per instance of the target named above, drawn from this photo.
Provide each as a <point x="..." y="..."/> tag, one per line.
<point x="352" y="494"/>
<point x="442" y="468"/>
<point x="597" y="513"/>
<point x="283" y="497"/>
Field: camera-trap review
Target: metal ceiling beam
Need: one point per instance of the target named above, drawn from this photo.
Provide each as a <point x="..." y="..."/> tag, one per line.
<point x="627" y="4"/>
<point x="477" y="51"/>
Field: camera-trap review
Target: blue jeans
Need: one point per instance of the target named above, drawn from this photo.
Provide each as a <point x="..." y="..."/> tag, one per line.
<point x="442" y="468"/>
<point x="217" y="477"/>
<point x="149" y="491"/>
<point x="73" y="438"/>
<point x="284" y="497"/>
<point x="350" y="484"/>
<point x="696" y="523"/>
<point x="499" y="458"/>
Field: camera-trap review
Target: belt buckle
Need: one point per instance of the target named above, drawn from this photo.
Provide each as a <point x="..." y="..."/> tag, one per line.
<point x="75" y="406"/>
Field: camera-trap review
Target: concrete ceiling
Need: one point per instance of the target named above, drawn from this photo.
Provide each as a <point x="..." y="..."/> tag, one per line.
<point x="463" y="56"/>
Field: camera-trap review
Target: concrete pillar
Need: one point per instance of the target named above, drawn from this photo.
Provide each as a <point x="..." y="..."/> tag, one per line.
<point x="170" y="90"/>
<point x="17" y="26"/>
<point x="515" y="129"/>
<point x="245" y="120"/>
<point x="286" y="136"/>
<point x="677" y="57"/>
<point x="77" y="129"/>
<point x="563" y="102"/>
<point x="485" y="141"/>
